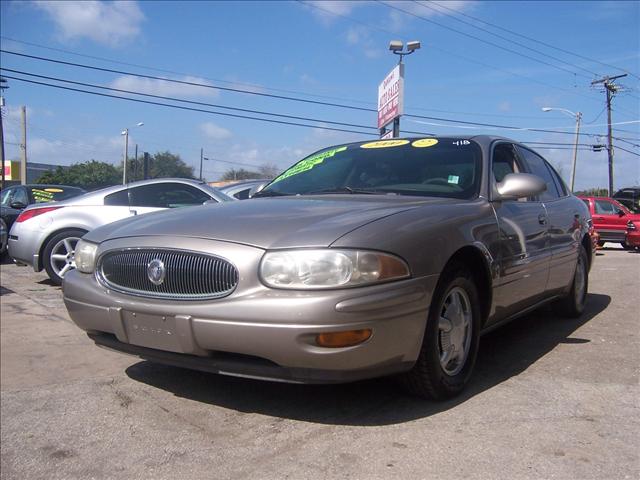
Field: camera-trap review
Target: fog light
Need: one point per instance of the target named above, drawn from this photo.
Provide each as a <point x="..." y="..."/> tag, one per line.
<point x="343" y="339"/>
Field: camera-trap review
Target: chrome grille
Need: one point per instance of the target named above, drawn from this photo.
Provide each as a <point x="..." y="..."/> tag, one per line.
<point x="189" y="275"/>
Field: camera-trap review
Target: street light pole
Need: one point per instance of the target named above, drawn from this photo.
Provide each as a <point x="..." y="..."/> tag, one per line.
<point x="575" y="150"/>
<point x="578" y="117"/>
<point x="125" y="132"/>
<point x="126" y="154"/>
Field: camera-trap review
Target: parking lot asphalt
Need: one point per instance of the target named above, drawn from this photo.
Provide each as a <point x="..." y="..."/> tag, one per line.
<point x="551" y="398"/>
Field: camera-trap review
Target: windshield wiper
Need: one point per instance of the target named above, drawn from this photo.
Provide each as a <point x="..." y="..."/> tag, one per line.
<point x="270" y="193"/>
<point x="350" y="190"/>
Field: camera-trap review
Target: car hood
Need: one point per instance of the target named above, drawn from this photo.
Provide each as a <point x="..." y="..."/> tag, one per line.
<point x="267" y="222"/>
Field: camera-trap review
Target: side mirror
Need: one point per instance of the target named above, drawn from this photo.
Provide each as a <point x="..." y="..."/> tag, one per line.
<point x="520" y="185"/>
<point x="18" y="205"/>
<point x="621" y="213"/>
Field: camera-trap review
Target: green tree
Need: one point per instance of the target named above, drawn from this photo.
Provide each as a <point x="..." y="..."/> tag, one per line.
<point x="594" y="192"/>
<point x="89" y="175"/>
<point x="269" y="170"/>
<point x="241" y="174"/>
<point x="161" y="165"/>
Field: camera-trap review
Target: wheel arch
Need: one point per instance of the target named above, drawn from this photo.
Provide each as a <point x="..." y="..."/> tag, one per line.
<point x="586" y="243"/>
<point x="476" y="261"/>
<point x="49" y="237"/>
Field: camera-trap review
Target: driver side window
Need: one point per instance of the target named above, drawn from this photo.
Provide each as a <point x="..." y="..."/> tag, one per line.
<point x="504" y="162"/>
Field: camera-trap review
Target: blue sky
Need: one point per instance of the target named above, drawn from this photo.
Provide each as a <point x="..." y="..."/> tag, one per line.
<point x="324" y="51"/>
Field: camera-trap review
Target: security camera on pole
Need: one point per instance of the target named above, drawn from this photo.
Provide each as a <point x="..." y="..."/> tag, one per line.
<point x="391" y="92"/>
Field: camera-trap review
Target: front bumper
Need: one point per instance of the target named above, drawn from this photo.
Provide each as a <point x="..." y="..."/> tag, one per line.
<point x="633" y="238"/>
<point x="260" y="332"/>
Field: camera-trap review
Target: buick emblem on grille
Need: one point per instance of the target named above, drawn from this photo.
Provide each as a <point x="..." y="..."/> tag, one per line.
<point x="156" y="271"/>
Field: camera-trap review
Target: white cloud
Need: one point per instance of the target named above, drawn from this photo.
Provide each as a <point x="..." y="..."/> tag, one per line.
<point x="399" y="20"/>
<point x="165" y="88"/>
<point x="360" y="37"/>
<point x="214" y="132"/>
<point x="108" y="23"/>
<point x="328" y="11"/>
<point x="504" y="106"/>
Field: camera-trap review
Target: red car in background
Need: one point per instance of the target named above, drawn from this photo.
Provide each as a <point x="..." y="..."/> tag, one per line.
<point x="611" y="220"/>
<point x="633" y="235"/>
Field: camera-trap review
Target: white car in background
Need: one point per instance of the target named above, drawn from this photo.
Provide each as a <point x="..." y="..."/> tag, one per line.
<point x="45" y="236"/>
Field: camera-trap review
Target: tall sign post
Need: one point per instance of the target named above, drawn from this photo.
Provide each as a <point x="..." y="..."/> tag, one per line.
<point x="391" y="92"/>
<point x="391" y="102"/>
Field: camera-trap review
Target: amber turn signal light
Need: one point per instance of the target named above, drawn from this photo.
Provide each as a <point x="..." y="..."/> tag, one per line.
<point x="343" y="339"/>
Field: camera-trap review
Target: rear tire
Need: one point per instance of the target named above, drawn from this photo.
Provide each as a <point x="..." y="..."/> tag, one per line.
<point x="451" y="339"/>
<point x="573" y="304"/>
<point x="58" y="254"/>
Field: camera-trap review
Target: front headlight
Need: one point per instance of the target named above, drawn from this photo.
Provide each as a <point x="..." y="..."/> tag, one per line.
<point x="631" y="225"/>
<point x="85" y="256"/>
<point x="329" y="268"/>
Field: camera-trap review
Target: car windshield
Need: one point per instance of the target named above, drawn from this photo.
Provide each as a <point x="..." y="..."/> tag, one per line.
<point x="44" y="193"/>
<point x="440" y="167"/>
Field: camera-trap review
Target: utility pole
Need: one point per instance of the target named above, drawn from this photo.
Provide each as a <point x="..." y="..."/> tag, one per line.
<point x="575" y="150"/>
<point x="135" y="164"/>
<point x="610" y="90"/>
<point x="3" y="86"/>
<point x="23" y="146"/>
<point x="145" y="165"/>
<point x="201" y="158"/>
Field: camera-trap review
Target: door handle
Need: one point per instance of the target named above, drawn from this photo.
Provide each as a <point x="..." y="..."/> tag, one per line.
<point x="133" y="212"/>
<point x="542" y="219"/>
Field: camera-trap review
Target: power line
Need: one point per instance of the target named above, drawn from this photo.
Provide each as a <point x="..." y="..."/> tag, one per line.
<point x="449" y="52"/>
<point x="121" y="72"/>
<point x="181" y="107"/>
<point x="173" y="72"/>
<point x="460" y="32"/>
<point x="192" y="102"/>
<point x="505" y="38"/>
<point x="291" y="116"/>
<point x="146" y="67"/>
<point x="185" y="82"/>
<point x="555" y="47"/>
<point x="628" y="151"/>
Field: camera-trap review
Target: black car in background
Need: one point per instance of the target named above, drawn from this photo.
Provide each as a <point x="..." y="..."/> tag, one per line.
<point x="16" y="198"/>
<point x="629" y="197"/>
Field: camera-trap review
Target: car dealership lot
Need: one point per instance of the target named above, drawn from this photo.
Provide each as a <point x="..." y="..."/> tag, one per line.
<point x="551" y="398"/>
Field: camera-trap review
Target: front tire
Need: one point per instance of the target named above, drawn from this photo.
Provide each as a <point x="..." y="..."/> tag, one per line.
<point x="451" y="339"/>
<point x="58" y="255"/>
<point x="574" y="303"/>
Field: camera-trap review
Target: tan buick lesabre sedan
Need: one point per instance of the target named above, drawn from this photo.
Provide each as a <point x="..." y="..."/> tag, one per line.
<point x="361" y="260"/>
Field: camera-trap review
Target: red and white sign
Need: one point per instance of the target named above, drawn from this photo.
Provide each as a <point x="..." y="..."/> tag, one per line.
<point x="390" y="96"/>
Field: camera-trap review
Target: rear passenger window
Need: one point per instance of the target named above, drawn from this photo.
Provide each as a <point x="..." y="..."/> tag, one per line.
<point x="562" y="187"/>
<point x="538" y="166"/>
<point x="118" y="199"/>
<point x="167" y="195"/>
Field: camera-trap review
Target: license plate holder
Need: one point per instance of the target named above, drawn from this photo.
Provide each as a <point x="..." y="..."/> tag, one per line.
<point x="152" y="331"/>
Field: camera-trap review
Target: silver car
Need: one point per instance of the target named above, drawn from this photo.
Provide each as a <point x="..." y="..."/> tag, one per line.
<point x="244" y="189"/>
<point x="45" y="235"/>
<point x="361" y="260"/>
